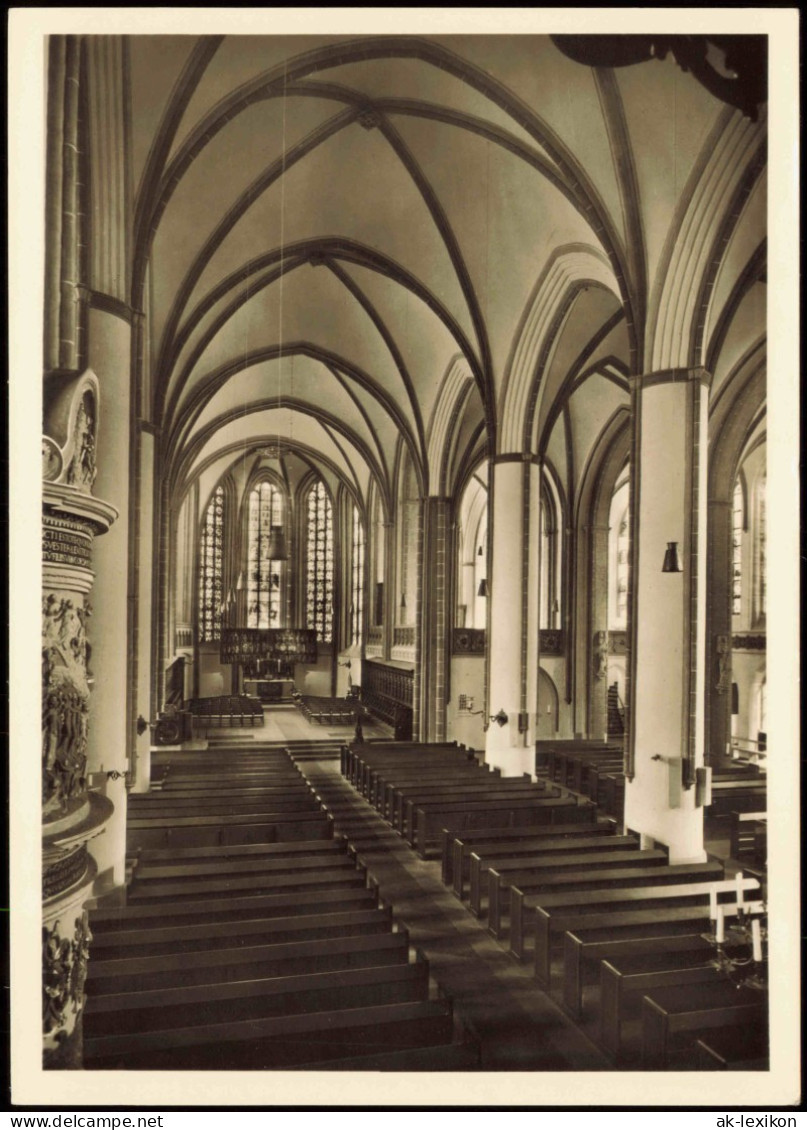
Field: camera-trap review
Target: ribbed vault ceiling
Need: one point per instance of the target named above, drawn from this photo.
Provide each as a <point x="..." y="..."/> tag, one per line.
<point x="326" y="226"/>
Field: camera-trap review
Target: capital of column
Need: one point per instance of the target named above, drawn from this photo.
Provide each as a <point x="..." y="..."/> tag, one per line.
<point x="670" y="376"/>
<point x="518" y="457"/>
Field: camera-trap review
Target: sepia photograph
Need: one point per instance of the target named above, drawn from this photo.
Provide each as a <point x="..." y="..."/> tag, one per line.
<point x="419" y="494"/>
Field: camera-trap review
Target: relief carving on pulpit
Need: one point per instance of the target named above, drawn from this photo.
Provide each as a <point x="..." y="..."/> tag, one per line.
<point x="64" y="969"/>
<point x="65" y="700"/>
<point x="81" y="471"/>
<point x="70" y="443"/>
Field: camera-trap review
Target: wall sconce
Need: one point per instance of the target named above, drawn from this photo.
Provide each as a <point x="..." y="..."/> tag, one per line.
<point x="501" y="718"/>
<point x="483" y="587"/>
<point x="672" y="559"/>
<point x="141" y="725"/>
<point x="479" y="552"/>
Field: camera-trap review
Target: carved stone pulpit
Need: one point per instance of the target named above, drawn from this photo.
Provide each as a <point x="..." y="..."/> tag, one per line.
<point x="71" y="814"/>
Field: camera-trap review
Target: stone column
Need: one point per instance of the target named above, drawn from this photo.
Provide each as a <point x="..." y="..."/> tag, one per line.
<point x="668" y="644"/>
<point x="72" y="815"/>
<point x="110" y="743"/>
<point x="433" y="656"/>
<point x="513" y="598"/>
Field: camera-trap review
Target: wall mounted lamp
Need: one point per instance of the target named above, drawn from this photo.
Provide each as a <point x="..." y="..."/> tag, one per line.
<point x="672" y="559"/>
<point x="483" y="587"/>
<point x="501" y="718"/>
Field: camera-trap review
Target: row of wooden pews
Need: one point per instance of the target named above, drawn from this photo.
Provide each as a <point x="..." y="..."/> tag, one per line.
<point x="327" y="711"/>
<point x="258" y="944"/>
<point x="595" y="770"/>
<point x="617" y="934"/>
<point x="422" y="789"/>
<point x="227" y="710"/>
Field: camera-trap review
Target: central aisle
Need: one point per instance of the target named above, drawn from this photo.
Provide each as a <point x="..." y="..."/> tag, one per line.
<point x="519" y="1026"/>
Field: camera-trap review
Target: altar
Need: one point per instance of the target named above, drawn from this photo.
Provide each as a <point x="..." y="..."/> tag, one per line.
<point x="269" y="689"/>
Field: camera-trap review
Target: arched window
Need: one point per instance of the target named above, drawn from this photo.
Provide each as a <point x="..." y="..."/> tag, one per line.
<point x="210" y="569"/>
<point x="550" y="587"/>
<point x="319" y="563"/>
<point x="357" y="580"/>
<point x="619" y="556"/>
<point x="622" y="567"/>
<point x="737" y="550"/>
<point x="264" y="575"/>
<point x="760" y="566"/>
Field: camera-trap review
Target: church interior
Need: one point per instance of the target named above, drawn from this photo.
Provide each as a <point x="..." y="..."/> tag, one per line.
<point x="404" y="701"/>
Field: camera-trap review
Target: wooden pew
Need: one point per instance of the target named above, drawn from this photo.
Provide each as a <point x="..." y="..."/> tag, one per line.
<point x="734" y="1049"/>
<point x="163" y="806"/>
<point x="386" y="784"/>
<point x="635" y="870"/>
<point x="280" y="1042"/>
<point x="620" y="983"/>
<point x="627" y="933"/>
<point x="533" y="852"/>
<point x="745" y="827"/>
<point x="360" y="759"/>
<point x="430" y="819"/>
<point x="234" y="907"/>
<point x="386" y="789"/>
<point x="366" y="770"/>
<point x="594" y="784"/>
<point x="343" y="871"/>
<point x="573" y="767"/>
<point x="550" y="754"/>
<point x="553" y="914"/>
<point x="208" y="831"/>
<point x="407" y="801"/>
<point x="347" y="951"/>
<point x="457" y="849"/>
<point x="261" y="997"/>
<point x="239" y="961"/>
<point x="584" y="949"/>
<point x="669" y="1013"/>
<point x="737" y="796"/>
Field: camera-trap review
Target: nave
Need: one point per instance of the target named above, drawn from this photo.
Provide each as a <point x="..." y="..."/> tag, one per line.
<point x="408" y="393"/>
<point x="169" y="989"/>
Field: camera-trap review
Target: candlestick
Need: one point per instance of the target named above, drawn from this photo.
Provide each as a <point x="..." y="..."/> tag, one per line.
<point x="739" y="878"/>
<point x="720" y="926"/>
<point x="756" y="939"/>
<point x="713" y="905"/>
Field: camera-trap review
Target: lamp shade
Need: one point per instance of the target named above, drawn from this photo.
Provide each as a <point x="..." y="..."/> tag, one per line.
<point x="483" y="587"/>
<point x="672" y="559"/>
<point x="276" y="548"/>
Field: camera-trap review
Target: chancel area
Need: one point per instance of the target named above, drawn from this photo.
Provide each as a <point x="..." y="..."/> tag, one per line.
<point x="404" y="700"/>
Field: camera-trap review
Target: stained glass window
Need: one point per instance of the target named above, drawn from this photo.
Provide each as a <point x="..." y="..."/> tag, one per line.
<point x="622" y="568"/>
<point x="264" y="576"/>
<point x="357" y="580"/>
<point x="760" y="563"/>
<point x="319" y="571"/>
<point x="737" y="550"/>
<point x="210" y="569"/>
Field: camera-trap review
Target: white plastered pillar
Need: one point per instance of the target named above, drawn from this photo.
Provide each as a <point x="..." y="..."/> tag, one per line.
<point x="513" y="596"/>
<point x="668" y="640"/>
